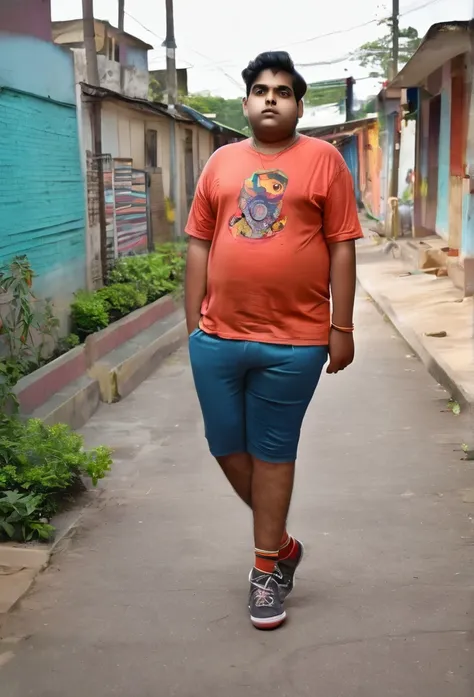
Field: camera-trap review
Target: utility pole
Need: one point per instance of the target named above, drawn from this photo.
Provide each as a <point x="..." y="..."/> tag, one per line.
<point x="89" y="43"/>
<point x="121" y="23"/>
<point x="350" y="82"/>
<point x="96" y="121"/>
<point x="395" y="36"/>
<point x="172" y="90"/>
<point x="121" y="14"/>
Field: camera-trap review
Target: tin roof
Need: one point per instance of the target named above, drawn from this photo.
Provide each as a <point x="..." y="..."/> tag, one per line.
<point x="141" y="104"/>
<point x="442" y="42"/>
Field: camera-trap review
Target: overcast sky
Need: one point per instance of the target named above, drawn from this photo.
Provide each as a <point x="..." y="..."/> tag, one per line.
<point x="216" y="38"/>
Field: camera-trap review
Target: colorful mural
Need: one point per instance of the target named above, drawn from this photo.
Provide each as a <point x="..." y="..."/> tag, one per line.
<point x="131" y="209"/>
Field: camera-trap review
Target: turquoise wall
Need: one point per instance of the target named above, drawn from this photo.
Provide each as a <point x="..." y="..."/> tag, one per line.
<point x="42" y="200"/>
<point x="350" y="154"/>
<point x="442" y="210"/>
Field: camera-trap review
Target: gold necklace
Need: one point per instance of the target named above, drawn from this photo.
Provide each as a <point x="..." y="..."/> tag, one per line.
<point x="276" y="155"/>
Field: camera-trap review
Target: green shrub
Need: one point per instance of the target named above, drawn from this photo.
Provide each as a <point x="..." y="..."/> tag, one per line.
<point x="122" y="298"/>
<point x="20" y="517"/>
<point x="47" y="461"/>
<point x="156" y="274"/>
<point x="89" y="314"/>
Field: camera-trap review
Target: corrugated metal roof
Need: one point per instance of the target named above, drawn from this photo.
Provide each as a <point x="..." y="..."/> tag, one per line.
<point x="442" y="42"/>
<point x="206" y="122"/>
<point x="348" y="128"/>
<point x="142" y="104"/>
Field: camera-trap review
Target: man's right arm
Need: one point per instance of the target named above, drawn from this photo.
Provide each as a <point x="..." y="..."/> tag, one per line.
<point x="196" y="280"/>
<point x="200" y="228"/>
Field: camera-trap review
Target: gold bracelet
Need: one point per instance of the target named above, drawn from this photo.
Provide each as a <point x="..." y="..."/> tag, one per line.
<point x="344" y="330"/>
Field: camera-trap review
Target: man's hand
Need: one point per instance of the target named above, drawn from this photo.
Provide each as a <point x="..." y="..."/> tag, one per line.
<point x="341" y="351"/>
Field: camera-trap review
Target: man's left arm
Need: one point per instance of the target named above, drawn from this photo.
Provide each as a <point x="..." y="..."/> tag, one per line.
<point x="341" y="229"/>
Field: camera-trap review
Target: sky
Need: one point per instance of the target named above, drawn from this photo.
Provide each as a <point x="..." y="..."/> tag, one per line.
<point x="217" y="38"/>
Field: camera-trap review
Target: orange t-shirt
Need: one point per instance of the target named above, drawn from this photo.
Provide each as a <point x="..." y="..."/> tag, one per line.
<point x="270" y="219"/>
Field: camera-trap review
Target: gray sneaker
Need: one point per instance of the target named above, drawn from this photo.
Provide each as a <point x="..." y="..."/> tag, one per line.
<point x="265" y="605"/>
<point x="287" y="569"/>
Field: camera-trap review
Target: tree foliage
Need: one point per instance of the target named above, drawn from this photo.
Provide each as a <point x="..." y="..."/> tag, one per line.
<point x="377" y="55"/>
<point x="226" y="111"/>
<point x="317" y="96"/>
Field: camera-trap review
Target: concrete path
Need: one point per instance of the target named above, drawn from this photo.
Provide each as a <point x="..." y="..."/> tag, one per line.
<point x="149" y="599"/>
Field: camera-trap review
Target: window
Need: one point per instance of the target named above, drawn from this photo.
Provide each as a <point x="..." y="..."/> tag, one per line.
<point x="151" y="147"/>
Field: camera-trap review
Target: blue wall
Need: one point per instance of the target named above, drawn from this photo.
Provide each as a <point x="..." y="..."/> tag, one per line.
<point x="442" y="211"/>
<point x="42" y="198"/>
<point x="351" y="157"/>
<point x="136" y="58"/>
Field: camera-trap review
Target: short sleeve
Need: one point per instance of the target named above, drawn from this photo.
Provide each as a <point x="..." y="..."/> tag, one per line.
<point x="341" y="218"/>
<point x="202" y="218"/>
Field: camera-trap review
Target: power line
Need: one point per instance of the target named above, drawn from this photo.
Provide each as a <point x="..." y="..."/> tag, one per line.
<point x="336" y="32"/>
<point x="203" y="55"/>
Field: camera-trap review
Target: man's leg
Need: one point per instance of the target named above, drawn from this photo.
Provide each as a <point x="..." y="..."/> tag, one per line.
<point x="272" y="486"/>
<point x="238" y="468"/>
<point x="219" y="377"/>
<point x="277" y="397"/>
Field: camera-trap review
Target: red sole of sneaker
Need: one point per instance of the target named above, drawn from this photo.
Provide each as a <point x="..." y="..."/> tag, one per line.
<point x="268" y="626"/>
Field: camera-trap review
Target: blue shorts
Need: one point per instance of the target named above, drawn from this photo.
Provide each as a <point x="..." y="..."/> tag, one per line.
<point x="254" y="396"/>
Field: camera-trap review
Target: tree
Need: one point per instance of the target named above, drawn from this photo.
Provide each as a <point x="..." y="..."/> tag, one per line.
<point x="377" y="54"/>
<point x="155" y="91"/>
<point x="226" y="111"/>
<point x="331" y="94"/>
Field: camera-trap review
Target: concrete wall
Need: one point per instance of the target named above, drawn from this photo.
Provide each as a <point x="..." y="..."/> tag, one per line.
<point x="26" y="17"/>
<point x="135" y="79"/>
<point x="42" y="211"/>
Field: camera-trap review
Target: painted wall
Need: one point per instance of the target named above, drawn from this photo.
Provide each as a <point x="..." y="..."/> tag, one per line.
<point x="135" y="57"/>
<point x="135" y="79"/>
<point x="350" y="155"/>
<point x="37" y="67"/>
<point x="442" y="211"/>
<point x="27" y="17"/>
<point x="42" y="203"/>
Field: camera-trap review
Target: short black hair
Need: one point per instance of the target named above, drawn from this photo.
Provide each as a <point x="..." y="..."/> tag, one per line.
<point x="277" y="61"/>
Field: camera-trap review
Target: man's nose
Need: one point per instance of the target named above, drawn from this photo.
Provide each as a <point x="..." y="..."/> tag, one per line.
<point x="270" y="99"/>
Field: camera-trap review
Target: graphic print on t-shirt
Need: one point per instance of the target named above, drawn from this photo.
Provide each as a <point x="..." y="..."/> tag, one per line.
<point x="260" y="204"/>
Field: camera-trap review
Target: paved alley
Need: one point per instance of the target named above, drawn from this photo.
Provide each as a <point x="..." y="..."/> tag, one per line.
<point x="149" y="598"/>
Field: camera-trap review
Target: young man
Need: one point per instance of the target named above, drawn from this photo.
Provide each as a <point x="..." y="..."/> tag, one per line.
<point x="271" y="228"/>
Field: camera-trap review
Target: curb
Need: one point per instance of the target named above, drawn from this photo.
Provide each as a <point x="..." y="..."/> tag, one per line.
<point x="69" y="390"/>
<point x="23" y="564"/>
<point x="124" y="357"/>
<point x="437" y="368"/>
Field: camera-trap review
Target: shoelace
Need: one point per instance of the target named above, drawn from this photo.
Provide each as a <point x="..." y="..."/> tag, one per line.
<point x="264" y="596"/>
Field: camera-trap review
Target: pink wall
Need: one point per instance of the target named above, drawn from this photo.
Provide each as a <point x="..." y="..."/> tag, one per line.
<point x="30" y="17"/>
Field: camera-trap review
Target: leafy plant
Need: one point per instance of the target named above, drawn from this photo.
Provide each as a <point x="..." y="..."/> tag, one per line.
<point x="47" y="462"/>
<point x="66" y="343"/>
<point x="20" y="517"/>
<point x="46" y="459"/>
<point x="122" y="298"/>
<point x="156" y="274"/>
<point x="89" y="314"/>
<point x="28" y="328"/>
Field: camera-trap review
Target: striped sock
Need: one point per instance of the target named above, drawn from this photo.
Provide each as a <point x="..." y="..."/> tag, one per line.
<point x="288" y="547"/>
<point x="265" y="561"/>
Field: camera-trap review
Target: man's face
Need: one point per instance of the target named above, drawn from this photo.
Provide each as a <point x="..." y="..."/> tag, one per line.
<point x="271" y="106"/>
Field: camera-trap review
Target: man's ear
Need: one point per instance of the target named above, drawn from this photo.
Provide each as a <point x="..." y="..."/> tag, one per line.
<point x="300" y="108"/>
<point x="244" y="106"/>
